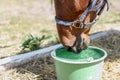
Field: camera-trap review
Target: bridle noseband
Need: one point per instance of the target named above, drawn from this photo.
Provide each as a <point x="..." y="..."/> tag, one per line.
<point x="79" y="22"/>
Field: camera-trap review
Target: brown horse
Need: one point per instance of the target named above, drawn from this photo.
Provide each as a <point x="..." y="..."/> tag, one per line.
<point x="68" y="15"/>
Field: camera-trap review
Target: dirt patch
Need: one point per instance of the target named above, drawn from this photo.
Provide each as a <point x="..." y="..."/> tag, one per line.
<point x="115" y="6"/>
<point x="25" y="8"/>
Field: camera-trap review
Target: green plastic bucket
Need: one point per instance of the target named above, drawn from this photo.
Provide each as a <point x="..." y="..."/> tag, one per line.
<point x="84" y="66"/>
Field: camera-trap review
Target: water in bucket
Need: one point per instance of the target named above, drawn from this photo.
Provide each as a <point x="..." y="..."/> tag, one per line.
<point x="85" y="55"/>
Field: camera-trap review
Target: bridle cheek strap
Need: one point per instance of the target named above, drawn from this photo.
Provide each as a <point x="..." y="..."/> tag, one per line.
<point x="79" y="23"/>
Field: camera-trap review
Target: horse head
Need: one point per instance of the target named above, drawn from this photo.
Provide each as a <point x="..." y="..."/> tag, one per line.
<point x="73" y="18"/>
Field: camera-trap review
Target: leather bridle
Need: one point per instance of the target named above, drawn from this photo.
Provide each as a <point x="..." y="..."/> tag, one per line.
<point x="79" y="22"/>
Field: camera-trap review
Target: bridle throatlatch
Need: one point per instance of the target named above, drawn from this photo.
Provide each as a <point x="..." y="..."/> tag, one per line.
<point x="79" y="22"/>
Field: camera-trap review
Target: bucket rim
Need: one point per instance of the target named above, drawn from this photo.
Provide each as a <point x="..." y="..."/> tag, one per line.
<point x="79" y="62"/>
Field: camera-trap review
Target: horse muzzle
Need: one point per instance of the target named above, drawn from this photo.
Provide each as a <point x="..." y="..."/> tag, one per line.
<point x="80" y="44"/>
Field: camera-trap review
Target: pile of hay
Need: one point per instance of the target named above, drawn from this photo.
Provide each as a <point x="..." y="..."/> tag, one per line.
<point x="111" y="44"/>
<point x="43" y="68"/>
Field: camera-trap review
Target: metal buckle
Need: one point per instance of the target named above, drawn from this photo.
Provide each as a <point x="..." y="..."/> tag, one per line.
<point x="77" y="24"/>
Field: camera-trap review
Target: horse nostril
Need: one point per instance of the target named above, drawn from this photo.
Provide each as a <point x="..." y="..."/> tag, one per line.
<point x="69" y="49"/>
<point x="73" y="49"/>
<point x="77" y="50"/>
<point x="83" y="44"/>
<point x="79" y="45"/>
